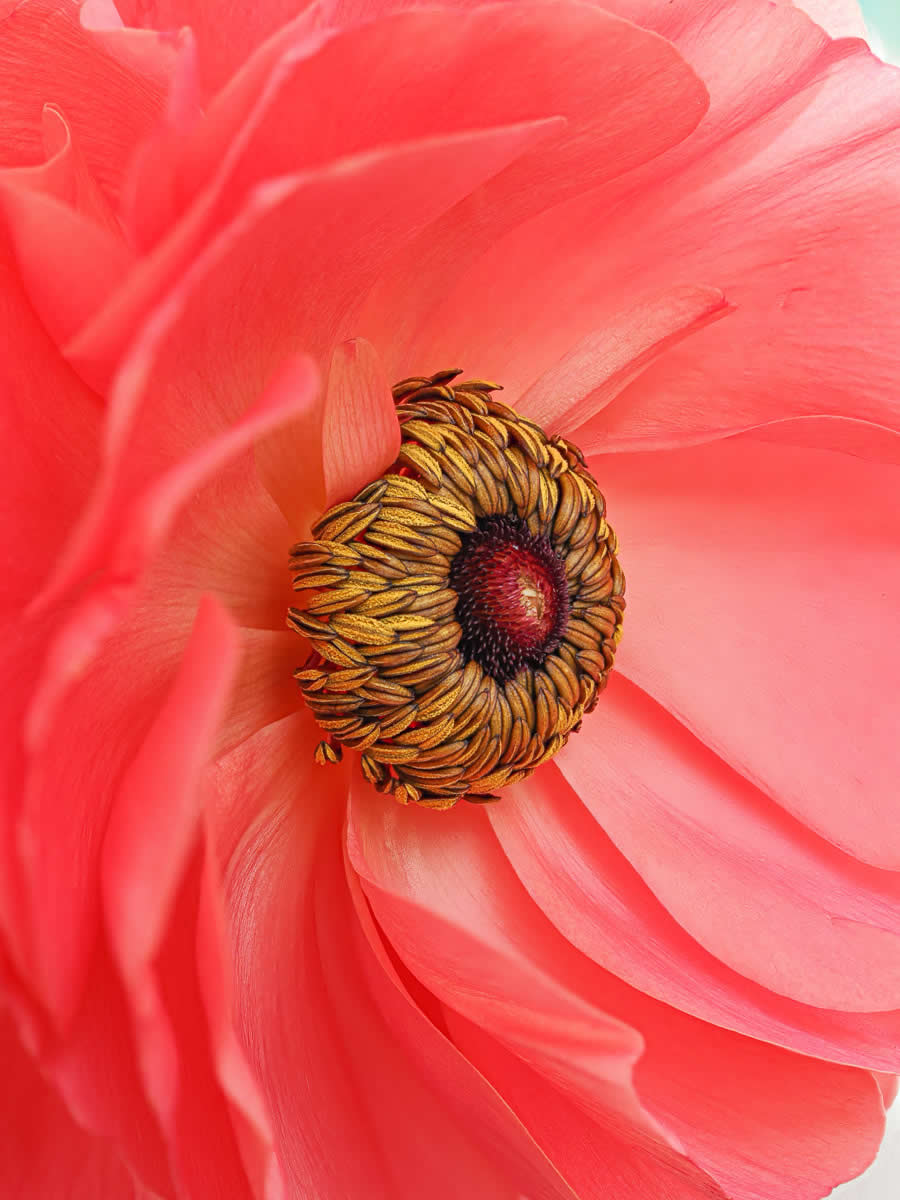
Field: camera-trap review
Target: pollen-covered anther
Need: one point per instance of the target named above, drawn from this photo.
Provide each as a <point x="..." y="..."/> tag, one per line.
<point x="463" y="610"/>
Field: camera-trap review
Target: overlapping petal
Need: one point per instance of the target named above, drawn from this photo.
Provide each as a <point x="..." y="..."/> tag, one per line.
<point x="457" y="896"/>
<point x="717" y="535"/>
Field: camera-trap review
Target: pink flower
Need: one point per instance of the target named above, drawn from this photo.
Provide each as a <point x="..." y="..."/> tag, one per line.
<point x="666" y="964"/>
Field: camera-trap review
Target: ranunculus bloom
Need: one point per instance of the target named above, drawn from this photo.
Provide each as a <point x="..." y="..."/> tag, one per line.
<point x="668" y="964"/>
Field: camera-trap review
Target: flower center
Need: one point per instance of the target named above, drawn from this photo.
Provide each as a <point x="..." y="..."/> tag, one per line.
<point x="462" y="611"/>
<point x="513" y="598"/>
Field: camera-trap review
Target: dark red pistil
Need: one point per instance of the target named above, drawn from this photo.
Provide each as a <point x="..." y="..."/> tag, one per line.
<point x="513" y="598"/>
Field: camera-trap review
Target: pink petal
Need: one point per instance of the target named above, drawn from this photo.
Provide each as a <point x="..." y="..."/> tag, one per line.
<point x="360" y="434"/>
<point x="45" y="1153"/>
<point x="148" y="1055"/>
<point x="153" y="824"/>
<point x="598" y="1162"/>
<point x="839" y="18"/>
<point x="728" y="207"/>
<point x="68" y="263"/>
<point x="124" y="682"/>
<point x="452" y="909"/>
<point x="765" y="1123"/>
<point x="756" y="889"/>
<point x="265" y="126"/>
<point x="226" y="33"/>
<point x="601" y="74"/>
<point x="762" y="592"/>
<point x="311" y="251"/>
<point x="321" y="1018"/>
<point x="42" y="487"/>
<point x="592" y="374"/>
<point x="47" y="57"/>
<point x="146" y="863"/>
<point x="599" y="901"/>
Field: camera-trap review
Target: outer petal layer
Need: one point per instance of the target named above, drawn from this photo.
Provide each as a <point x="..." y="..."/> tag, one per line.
<point x="763" y="584"/>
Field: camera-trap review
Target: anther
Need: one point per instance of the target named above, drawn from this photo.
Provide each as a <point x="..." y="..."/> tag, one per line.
<point x="463" y="610"/>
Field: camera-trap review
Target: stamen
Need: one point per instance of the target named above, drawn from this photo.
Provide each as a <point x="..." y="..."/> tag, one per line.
<point x="464" y="609"/>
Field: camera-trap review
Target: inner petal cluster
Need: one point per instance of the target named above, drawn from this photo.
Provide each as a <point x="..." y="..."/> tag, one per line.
<point x="463" y="610"/>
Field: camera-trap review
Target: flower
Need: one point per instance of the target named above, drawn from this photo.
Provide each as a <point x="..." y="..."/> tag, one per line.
<point x="665" y="964"/>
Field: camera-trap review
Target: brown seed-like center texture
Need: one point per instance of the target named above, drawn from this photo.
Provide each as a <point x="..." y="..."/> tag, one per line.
<point x="465" y="608"/>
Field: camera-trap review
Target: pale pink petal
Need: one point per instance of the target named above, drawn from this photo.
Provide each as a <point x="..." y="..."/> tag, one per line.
<point x="604" y="362"/>
<point x="600" y="903"/>
<point x="765" y="1123"/>
<point x="762" y="593"/>
<point x="360" y="431"/>
<point x="45" y="1153"/>
<point x="353" y="1073"/>
<point x="839" y="18"/>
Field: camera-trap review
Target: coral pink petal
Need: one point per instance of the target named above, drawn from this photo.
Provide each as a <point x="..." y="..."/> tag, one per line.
<point x="360" y="434"/>
<point x="46" y="1153"/>
<point x="754" y="887"/>
<point x="454" y="912"/>
<point x="598" y="1161"/>
<point x="717" y="538"/>
<point x="544" y="61"/>
<point x="298" y="236"/>
<point x="42" y="488"/>
<point x="47" y="57"/>
<point x="604" y="362"/>
<point x="171" y="969"/>
<point x="418" y="1025"/>
<point x="727" y="207"/>
<point x="315" y="1004"/>
<point x="140" y="646"/>
<point x="67" y="263"/>
<point x="726" y="1100"/>
<point x="154" y="820"/>
<point x="226" y="32"/>
<point x="600" y="73"/>
<point x="573" y="870"/>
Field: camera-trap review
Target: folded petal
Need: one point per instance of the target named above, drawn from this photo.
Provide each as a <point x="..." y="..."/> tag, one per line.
<point x="46" y="56"/>
<point x="727" y="206"/>
<point x="573" y="869"/>
<point x="762" y="587"/>
<point x="452" y="909"/>
<point x="604" y="362"/>
<point x="765" y="896"/>
<point x="53" y="423"/>
<point x="764" y="1123"/>
<point x="315" y="1005"/>
<point x="544" y="61"/>
<point x="226" y="32"/>
<point x="45" y="1152"/>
